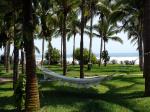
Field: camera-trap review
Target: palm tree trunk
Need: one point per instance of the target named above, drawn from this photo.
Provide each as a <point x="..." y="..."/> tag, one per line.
<point x="91" y="27"/>
<point x="140" y="54"/>
<point x="42" y="52"/>
<point x="32" y="103"/>
<point x="74" y="39"/>
<point x="5" y="55"/>
<point x="8" y="57"/>
<point x="101" y="49"/>
<point x="16" y="52"/>
<point x="49" y="51"/>
<point x="64" y="45"/>
<point x="81" y="42"/>
<point x="22" y="61"/>
<point x="15" y="67"/>
<point x="146" y="39"/>
<point x="141" y="42"/>
<point x="105" y="51"/>
<point x="61" y="60"/>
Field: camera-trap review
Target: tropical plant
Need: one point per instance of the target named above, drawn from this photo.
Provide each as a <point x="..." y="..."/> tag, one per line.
<point x="85" y="56"/>
<point x="55" y="56"/>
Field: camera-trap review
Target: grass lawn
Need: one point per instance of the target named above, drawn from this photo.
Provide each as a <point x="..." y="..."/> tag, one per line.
<point x="121" y="94"/>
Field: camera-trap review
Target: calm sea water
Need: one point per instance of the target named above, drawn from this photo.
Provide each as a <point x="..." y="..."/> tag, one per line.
<point x="110" y="54"/>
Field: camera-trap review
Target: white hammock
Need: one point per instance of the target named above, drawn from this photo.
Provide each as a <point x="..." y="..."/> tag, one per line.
<point x="82" y="82"/>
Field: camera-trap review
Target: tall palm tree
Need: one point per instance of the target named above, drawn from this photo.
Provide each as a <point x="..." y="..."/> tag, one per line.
<point x="146" y="39"/>
<point x="32" y="103"/>
<point x="74" y="29"/>
<point x="107" y="31"/>
<point x="65" y="6"/>
<point x="92" y="7"/>
<point x="81" y="41"/>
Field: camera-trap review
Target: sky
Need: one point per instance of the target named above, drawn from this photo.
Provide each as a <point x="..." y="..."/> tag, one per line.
<point x="112" y="47"/>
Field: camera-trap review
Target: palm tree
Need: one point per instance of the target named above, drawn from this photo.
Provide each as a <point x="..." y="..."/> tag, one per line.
<point x="146" y="39"/>
<point x="107" y="31"/>
<point x="81" y="41"/>
<point x="65" y="6"/>
<point x="92" y="7"/>
<point x="73" y="28"/>
<point x="32" y="103"/>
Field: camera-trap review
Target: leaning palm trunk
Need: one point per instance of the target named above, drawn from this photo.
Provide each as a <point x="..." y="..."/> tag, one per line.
<point x="146" y="41"/>
<point x="81" y="42"/>
<point x="32" y="103"/>
<point x="101" y="48"/>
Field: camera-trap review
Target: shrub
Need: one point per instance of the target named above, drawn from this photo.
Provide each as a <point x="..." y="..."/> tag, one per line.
<point x="105" y="57"/>
<point x="54" y="56"/>
<point x="114" y="61"/>
<point x="85" y="56"/>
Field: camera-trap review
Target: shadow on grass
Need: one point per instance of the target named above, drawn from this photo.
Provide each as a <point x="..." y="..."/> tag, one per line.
<point x="92" y="100"/>
<point x="6" y="104"/>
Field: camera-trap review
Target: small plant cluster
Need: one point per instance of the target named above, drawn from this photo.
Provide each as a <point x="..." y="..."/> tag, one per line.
<point x="126" y="62"/>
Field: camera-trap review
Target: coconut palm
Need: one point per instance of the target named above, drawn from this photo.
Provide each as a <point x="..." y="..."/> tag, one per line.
<point x="65" y="6"/>
<point x="32" y="103"/>
<point x="106" y="31"/>
<point x="92" y="7"/>
<point x="74" y="29"/>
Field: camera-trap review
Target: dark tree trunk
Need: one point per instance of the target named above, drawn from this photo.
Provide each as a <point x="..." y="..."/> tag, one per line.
<point x="81" y="42"/>
<point x="49" y="51"/>
<point x="105" y="63"/>
<point x="140" y="54"/>
<point x="64" y="44"/>
<point x="146" y="39"/>
<point x="32" y="103"/>
<point x="140" y="42"/>
<point x="15" y="67"/>
<point x="16" y="52"/>
<point x="74" y="41"/>
<point x="101" y="48"/>
<point x="5" y="55"/>
<point x="61" y="60"/>
<point x="8" y="57"/>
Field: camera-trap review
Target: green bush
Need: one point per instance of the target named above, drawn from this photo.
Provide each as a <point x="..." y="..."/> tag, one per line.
<point x="85" y="56"/>
<point x="54" y="56"/>
<point x="105" y="57"/>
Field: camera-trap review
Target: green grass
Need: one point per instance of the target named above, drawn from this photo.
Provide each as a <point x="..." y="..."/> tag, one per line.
<point x="74" y="71"/>
<point x="123" y="93"/>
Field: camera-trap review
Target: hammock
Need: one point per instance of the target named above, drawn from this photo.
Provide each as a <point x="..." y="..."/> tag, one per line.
<point x="82" y="82"/>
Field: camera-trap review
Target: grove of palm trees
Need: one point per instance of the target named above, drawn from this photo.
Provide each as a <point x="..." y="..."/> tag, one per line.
<point x="90" y="82"/>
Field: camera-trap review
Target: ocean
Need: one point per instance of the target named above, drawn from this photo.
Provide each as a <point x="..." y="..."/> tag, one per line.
<point x="113" y="56"/>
